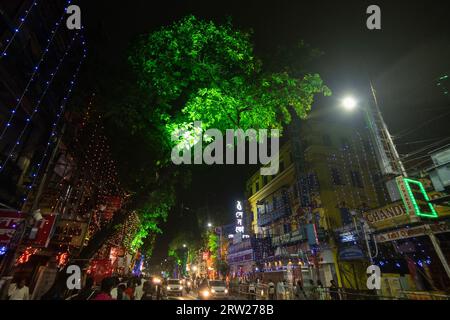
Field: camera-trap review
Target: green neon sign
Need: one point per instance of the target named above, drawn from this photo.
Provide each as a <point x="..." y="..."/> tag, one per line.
<point x="418" y="199"/>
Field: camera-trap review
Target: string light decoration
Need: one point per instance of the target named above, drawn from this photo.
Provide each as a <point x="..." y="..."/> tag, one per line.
<point x="37" y="106"/>
<point x="26" y="255"/>
<point x="54" y="127"/>
<point x="34" y="73"/>
<point x="366" y="161"/>
<point x="17" y="29"/>
<point x="62" y="258"/>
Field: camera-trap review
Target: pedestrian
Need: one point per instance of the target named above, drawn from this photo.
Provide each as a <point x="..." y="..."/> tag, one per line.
<point x="300" y="292"/>
<point x="88" y="291"/>
<point x="313" y="295"/>
<point x="147" y="291"/>
<point x="281" y="291"/>
<point x="271" y="290"/>
<point x="58" y="289"/>
<point x="130" y="288"/>
<point x="252" y="290"/>
<point x="321" y="291"/>
<point x="121" y="295"/>
<point x="105" y="290"/>
<point x="139" y="290"/>
<point x="334" y="291"/>
<point x="19" y="290"/>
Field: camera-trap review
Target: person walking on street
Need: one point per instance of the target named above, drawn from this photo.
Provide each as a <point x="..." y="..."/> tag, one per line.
<point x="121" y="295"/>
<point x="300" y="292"/>
<point x="321" y="294"/>
<point x="334" y="291"/>
<point x="87" y="292"/>
<point x="19" y="291"/>
<point x="281" y="291"/>
<point x="105" y="290"/>
<point x="252" y="290"/>
<point x="313" y="294"/>
<point x="271" y="290"/>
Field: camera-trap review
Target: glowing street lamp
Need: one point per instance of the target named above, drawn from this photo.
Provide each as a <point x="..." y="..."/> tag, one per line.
<point x="349" y="103"/>
<point x="184" y="245"/>
<point x="210" y="225"/>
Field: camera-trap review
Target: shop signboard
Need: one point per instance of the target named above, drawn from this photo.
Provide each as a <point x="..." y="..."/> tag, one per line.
<point x="389" y="216"/>
<point x="9" y="221"/>
<point x="418" y="231"/>
<point x="351" y="253"/>
<point x="42" y="232"/>
<point x="70" y="232"/>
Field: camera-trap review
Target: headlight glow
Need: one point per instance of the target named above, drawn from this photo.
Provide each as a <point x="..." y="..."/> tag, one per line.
<point x="213" y="291"/>
<point x="226" y="291"/>
<point x="205" y="293"/>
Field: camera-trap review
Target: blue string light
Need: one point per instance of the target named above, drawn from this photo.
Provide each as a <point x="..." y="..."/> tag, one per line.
<point x="33" y="75"/>
<point x="3" y="250"/>
<point x="17" y="29"/>
<point x="55" y="125"/>
<point x="36" y="109"/>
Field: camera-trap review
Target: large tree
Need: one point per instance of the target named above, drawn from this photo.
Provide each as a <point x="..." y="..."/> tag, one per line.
<point x="192" y="70"/>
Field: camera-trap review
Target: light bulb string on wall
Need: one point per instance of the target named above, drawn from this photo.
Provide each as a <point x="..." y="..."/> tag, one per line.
<point x="17" y="29"/>
<point x="54" y="126"/>
<point x="33" y="75"/>
<point x="36" y="109"/>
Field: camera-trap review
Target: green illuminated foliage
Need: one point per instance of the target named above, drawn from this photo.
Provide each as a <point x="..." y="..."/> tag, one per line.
<point x="200" y="71"/>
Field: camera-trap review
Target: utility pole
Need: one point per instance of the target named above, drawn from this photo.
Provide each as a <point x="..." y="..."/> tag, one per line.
<point x="438" y="249"/>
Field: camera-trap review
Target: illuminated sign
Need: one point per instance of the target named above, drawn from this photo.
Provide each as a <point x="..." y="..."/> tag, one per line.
<point x="240" y="229"/>
<point x="348" y="237"/>
<point x="415" y="198"/>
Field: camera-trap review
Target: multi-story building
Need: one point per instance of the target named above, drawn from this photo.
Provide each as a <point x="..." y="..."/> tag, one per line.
<point x="328" y="176"/>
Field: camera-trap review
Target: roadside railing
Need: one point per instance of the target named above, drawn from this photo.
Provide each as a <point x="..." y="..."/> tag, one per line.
<point x="261" y="292"/>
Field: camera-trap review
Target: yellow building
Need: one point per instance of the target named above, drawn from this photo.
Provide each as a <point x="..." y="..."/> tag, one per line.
<point x="328" y="177"/>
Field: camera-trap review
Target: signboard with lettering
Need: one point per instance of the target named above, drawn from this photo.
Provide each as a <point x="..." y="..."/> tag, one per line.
<point x="351" y="253"/>
<point x="389" y="216"/>
<point x="406" y="233"/>
<point x="9" y="221"/>
<point x="42" y="232"/>
<point x="70" y="232"/>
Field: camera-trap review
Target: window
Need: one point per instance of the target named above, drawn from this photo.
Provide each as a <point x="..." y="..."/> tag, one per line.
<point x="327" y="140"/>
<point x="256" y="187"/>
<point x="336" y="177"/>
<point x="265" y="180"/>
<point x="356" y="179"/>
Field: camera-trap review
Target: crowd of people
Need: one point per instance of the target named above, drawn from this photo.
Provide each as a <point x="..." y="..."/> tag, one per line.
<point x="140" y="288"/>
<point x="110" y="288"/>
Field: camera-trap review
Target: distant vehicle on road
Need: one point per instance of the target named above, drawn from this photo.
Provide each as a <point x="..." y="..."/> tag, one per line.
<point x="215" y="289"/>
<point x="174" y="287"/>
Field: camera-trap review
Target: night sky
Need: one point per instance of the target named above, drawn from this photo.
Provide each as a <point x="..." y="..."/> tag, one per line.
<point x="404" y="59"/>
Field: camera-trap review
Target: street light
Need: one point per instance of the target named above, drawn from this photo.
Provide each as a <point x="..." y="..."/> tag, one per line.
<point x="210" y="225"/>
<point x="184" y="245"/>
<point x="349" y="103"/>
